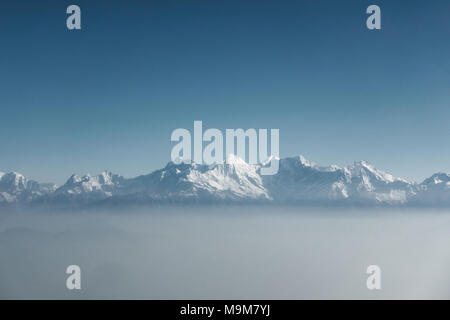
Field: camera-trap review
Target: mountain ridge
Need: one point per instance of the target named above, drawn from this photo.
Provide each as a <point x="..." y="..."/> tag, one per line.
<point x="298" y="181"/>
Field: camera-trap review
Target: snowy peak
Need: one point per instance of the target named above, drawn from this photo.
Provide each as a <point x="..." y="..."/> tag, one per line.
<point x="300" y="180"/>
<point x="13" y="182"/>
<point x="104" y="183"/>
<point x="304" y="162"/>
<point x="108" y="178"/>
<point x="442" y="179"/>
<point x="234" y="180"/>
<point x="14" y="187"/>
<point x="237" y="166"/>
<point x="362" y="168"/>
<point x="434" y="190"/>
<point x="370" y="184"/>
<point x="230" y="181"/>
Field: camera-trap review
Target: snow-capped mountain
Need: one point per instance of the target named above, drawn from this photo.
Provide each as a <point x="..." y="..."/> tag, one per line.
<point x="15" y="188"/>
<point x="86" y="189"/>
<point x="369" y="184"/>
<point x="233" y="181"/>
<point x="434" y="190"/>
<point x="298" y="181"/>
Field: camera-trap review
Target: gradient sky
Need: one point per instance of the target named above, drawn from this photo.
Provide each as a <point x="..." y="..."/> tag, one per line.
<point x="109" y="96"/>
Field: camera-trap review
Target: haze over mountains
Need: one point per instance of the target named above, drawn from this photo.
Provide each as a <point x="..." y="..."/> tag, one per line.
<point x="298" y="181"/>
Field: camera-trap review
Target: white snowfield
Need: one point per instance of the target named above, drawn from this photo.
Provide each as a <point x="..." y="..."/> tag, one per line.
<point x="298" y="181"/>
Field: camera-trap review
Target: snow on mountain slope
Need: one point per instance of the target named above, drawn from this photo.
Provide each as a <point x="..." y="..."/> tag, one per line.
<point x="235" y="180"/>
<point x="369" y="184"/>
<point x="87" y="188"/>
<point x="299" y="180"/>
<point x="434" y="190"/>
<point x="15" y="188"/>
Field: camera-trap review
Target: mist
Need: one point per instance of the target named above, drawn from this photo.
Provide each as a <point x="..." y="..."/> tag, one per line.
<point x="238" y="252"/>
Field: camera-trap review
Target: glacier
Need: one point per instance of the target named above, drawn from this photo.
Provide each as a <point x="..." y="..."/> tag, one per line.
<point x="298" y="182"/>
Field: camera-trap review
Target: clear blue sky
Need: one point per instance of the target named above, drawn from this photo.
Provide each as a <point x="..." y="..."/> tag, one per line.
<point x="109" y="96"/>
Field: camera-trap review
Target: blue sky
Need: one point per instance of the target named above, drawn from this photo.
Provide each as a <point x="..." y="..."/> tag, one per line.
<point x="109" y="96"/>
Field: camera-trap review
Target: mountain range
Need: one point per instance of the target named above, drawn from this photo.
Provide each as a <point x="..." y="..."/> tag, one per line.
<point x="298" y="181"/>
